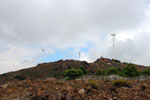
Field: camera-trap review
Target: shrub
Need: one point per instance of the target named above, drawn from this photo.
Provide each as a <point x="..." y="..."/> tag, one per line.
<point x="121" y="83"/>
<point x="116" y="60"/>
<point x="125" y="63"/>
<point x="83" y="69"/>
<point x="111" y="71"/>
<point x="104" y="72"/>
<point x="131" y="71"/>
<point x="20" y="77"/>
<point x="145" y="72"/>
<point x="60" y="82"/>
<point x="99" y="73"/>
<point x="73" y="73"/>
<point x="120" y="72"/>
<point x="93" y="84"/>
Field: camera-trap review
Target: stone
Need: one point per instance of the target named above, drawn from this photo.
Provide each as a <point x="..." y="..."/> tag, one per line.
<point x="81" y="91"/>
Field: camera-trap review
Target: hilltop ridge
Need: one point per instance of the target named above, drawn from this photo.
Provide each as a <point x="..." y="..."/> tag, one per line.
<point x="56" y="69"/>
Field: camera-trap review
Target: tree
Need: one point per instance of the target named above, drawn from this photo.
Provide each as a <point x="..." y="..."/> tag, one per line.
<point x="131" y="71"/>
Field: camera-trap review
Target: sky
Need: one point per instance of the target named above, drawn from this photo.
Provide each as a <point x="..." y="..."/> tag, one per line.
<point x="64" y="27"/>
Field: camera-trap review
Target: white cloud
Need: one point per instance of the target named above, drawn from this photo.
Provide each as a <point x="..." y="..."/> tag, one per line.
<point x="49" y="22"/>
<point x="54" y="24"/>
<point x="16" y="57"/>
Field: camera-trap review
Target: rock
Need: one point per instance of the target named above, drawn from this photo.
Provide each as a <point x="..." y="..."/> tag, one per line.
<point x="142" y="77"/>
<point x="115" y="98"/>
<point x="81" y="91"/>
<point x="143" y="87"/>
<point x="39" y="91"/>
<point x="51" y="79"/>
<point x="4" y="86"/>
<point x="110" y="99"/>
<point x="109" y="63"/>
<point x="114" y="77"/>
<point x="68" y="88"/>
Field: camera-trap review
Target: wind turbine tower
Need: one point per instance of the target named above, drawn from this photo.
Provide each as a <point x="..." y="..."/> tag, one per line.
<point x="113" y="37"/>
<point x="79" y="55"/>
<point x="42" y="60"/>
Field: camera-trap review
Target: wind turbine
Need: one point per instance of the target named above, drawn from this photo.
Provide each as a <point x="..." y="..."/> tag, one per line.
<point x="79" y="55"/>
<point x="42" y="59"/>
<point x="113" y="37"/>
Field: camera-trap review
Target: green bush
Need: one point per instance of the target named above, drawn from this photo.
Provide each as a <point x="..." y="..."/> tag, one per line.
<point x="120" y="72"/>
<point x="111" y="71"/>
<point x="99" y="73"/>
<point x="131" y="71"/>
<point x="121" y="83"/>
<point x="20" y="77"/>
<point x="146" y="72"/>
<point x="104" y="72"/>
<point x="93" y="84"/>
<point x="116" y="60"/>
<point x="73" y="73"/>
<point x="83" y="69"/>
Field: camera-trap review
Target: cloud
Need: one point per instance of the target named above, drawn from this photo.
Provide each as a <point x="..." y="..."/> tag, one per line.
<point x="29" y="25"/>
<point x="17" y="57"/>
<point x="47" y="22"/>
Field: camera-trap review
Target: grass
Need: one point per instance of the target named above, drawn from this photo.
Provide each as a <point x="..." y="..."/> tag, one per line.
<point x="121" y="83"/>
<point x="93" y="84"/>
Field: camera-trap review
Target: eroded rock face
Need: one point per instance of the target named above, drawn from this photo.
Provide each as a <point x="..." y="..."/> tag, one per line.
<point x="74" y="90"/>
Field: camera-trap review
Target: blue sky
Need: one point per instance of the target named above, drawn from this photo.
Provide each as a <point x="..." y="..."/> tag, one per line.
<point x="69" y="53"/>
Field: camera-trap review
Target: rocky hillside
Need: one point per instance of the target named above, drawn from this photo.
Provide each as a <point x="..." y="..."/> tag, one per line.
<point x="45" y="82"/>
<point x="54" y="89"/>
<point x="56" y="69"/>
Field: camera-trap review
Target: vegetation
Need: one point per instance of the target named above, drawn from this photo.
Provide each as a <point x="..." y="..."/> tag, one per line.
<point x="111" y="71"/>
<point x="60" y="82"/>
<point x="93" y="84"/>
<point x="121" y="83"/>
<point x="73" y="73"/>
<point x="83" y="69"/>
<point x="116" y="60"/>
<point x="99" y="73"/>
<point x="131" y="71"/>
<point x="20" y="77"/>
<point x="145" y="72"/>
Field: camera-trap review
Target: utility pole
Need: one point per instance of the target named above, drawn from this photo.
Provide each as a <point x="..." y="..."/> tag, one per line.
<point x="113" y="37"/>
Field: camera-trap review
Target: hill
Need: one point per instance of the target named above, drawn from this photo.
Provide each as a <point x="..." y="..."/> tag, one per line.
<point x="56" y="69"/>
<point x="45" y="82"/>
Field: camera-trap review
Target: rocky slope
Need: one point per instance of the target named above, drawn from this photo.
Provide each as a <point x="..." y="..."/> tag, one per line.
<point x="44" y="82"/>
<point x="54" y="89"/>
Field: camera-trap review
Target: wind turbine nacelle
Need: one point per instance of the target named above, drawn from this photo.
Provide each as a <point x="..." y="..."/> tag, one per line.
<point x="113" y="34"/>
